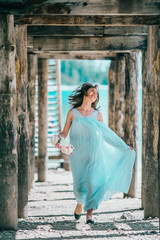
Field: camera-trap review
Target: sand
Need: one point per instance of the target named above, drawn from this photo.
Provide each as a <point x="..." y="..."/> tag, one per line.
<point x="50" y="215"/>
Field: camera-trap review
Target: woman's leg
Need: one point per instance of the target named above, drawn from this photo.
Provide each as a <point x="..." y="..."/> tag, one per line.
<point x="89" y="214"/>
<point x="78" y="209"/>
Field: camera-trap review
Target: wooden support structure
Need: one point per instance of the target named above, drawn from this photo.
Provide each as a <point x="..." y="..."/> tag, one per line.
<point x="86" y="20"/>
<point x="150" y="132"/>
<point x="58" y="82"/>
<point x="144" y="94"/>
<point x="86" y="31"/>
<point x="111" y="81"/>
<point x="32" y="73"/>
<point x="42" y="118"/>
<point x="8" y="136"/>
<point x="159" y="143"/>
<point x="91" y="7"/>
<point x="119" y="95"/>
<point x="78" y="55"/>
<point x="22" y="120"/>
<point x="78" y="30"/>
<point x="131" y="113"/>
<point x="113" y="43"/>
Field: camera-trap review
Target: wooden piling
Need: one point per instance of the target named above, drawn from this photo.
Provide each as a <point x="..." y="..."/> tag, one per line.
<point x="22" y="120"/>
<point x="59" y="99"/>
<point x="42" y="118"/>
<point x="119" y="94"/>
<point x="159" y="143"/>
<point x="8" y="131"/>
<point x="32" y="73"/>
<point x="144" y="75"/>
<point x="131" y="113"/>
<point x="111" y="80"/>
<point x="151" y="125"/>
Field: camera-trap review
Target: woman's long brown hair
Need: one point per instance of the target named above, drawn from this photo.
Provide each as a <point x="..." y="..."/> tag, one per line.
<point x="76" y="98"/>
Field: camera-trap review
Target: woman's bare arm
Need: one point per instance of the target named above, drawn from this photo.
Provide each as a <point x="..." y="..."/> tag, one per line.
<point x="68" y="123"/>
<point x="100" y="117"/>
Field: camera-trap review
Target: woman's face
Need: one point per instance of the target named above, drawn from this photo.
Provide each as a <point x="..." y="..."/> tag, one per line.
<point x="92" y="94"/>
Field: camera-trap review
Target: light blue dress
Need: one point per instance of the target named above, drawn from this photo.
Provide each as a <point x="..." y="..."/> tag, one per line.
<point x="101" y="163"/>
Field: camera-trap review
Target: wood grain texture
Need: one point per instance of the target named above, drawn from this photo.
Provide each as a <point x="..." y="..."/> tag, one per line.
<point x="59" y="98"/>
<point x="86" y="31"/>
<point x="80" y="56"/>
<point x="89" y="43"/>
<point x="32" y="73"/>
<point x="22" y="120"/>
<point x="119" y="94"/>
<point x="151" y="114"/>
<point x="159" y="141"/>
<point x="64" y="31"/>
<point x="131" y="113"/>
<point x="144" y="94"/>
<point x="42" y="118"/>
<point x="89" y="20"/>
<point x="80" y="7"/>
<point x="111" y="82"/>
<point x="8" y="131"/>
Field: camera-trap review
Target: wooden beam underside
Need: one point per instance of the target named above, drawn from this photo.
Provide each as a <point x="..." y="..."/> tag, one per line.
<point x="125" y="43"/>
<point x="78" y="56"/>
<point x="87" y="31"/>
<point x="92" y="7"/>
<point x="92" y="20"/>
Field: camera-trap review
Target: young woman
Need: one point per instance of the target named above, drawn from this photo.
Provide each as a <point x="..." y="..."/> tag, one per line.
<point x="102" y="162"/>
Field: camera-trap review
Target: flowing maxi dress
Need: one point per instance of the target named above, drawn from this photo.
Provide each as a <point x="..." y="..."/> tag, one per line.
<point x="101" y="164"/>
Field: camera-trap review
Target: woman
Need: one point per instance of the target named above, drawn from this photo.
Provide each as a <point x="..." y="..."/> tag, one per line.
<point x="102" y="162"/>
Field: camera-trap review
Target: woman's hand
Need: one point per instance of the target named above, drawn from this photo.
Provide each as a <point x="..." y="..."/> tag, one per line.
<point x="62" y="135"/>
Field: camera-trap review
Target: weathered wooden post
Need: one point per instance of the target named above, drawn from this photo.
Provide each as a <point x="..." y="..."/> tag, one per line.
<point x="8" y="131"/>
<point x="42" y="118"/>
<point x="111" y="80"/>
<point x="22" y="120"/>
<point x="58" y="82"/>
<point x="32" y="73"/>
<point x="159" y="142"/>
<point x="119" y="95"/>
<point x="150" y="132"/>
<point x="131" y="113"/>
<point x="144" y="75"/>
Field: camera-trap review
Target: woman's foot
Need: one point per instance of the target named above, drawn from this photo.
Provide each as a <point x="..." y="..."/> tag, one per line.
<point x="89" y="216"/>
<point x="90" y="221"/>
<point x="78" y="211"/>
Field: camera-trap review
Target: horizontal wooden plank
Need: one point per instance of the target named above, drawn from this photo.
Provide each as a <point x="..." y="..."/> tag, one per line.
<point x="89" y="20"/>
<point x="89" y="43"/>
<point x="87" y="52"/>
<point x="125" y="31"/>
<point x="64" y="31"/>
<point x="86" y="31"/>
<point x="77" y="56"/>
<point x="79" y="6"/>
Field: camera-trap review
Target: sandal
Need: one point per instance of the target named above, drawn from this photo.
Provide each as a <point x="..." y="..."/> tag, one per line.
<point x="77" y="216"/>
<point x="90" y="221"/>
